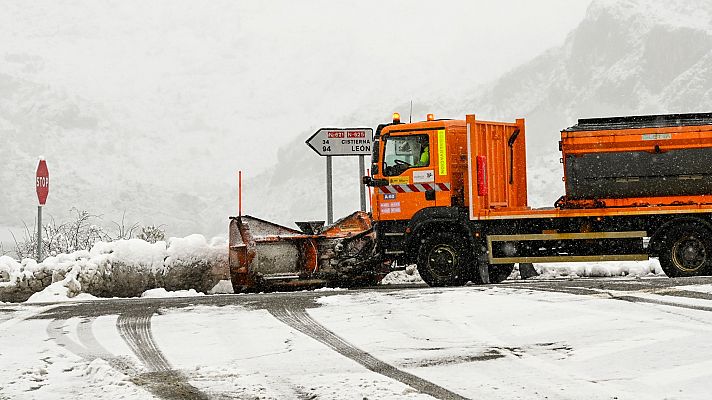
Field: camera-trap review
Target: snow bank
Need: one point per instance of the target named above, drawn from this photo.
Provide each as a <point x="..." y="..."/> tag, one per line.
<point x="598" y="270"/>
<point x="66" y="289"/>
<point x="556" y="270"/>
<point x="159" y="293"/>
<point x="124" y="268"/>
<point x="410" y="275"/>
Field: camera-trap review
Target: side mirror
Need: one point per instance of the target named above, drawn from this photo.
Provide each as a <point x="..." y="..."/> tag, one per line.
<point x="368" y="181"/>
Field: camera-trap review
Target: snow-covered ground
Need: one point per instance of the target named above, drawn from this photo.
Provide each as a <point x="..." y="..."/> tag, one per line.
<point x="498" y="342"/>
<point x="503" y="343"/>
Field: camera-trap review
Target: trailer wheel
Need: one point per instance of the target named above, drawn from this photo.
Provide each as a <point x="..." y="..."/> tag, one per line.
<point x="686" y="251"/>
<point x="443" y="259"/>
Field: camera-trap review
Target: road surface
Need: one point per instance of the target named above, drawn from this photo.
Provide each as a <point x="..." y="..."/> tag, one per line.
<point x="614" y="338"/>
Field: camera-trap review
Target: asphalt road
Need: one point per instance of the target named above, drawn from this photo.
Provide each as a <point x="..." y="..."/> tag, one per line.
<point x="155" y="373"/>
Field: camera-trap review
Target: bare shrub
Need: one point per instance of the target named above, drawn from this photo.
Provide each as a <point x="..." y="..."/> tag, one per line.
<point x="152" y="233"/>
<point x="123" y="230"/>
<point x="81" y="232"/>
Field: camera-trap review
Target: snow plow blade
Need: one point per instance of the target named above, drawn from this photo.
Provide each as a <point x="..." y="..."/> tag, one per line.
<point x="264" y="256"/>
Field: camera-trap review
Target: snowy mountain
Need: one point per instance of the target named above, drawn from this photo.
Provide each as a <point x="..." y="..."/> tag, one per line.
<point x="625" y="57"/>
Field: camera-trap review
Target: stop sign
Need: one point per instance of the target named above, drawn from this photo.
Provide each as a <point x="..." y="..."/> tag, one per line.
<point x="42" y="182"/>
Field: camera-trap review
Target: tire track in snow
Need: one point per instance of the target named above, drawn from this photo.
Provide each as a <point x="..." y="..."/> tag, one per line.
<point x="631" y="298"/>
<point x="13" y="320"/>
<point x="135" y="329"/>
<point x="88" y="347"/>
<point x="296" y="317"/>
<point x="162" y="379"/>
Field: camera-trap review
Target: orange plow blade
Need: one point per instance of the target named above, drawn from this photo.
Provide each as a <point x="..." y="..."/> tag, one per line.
<point x="265" y="256"/>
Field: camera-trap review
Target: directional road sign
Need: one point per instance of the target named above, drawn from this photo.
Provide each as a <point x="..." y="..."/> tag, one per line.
<point x="342" y="141"/>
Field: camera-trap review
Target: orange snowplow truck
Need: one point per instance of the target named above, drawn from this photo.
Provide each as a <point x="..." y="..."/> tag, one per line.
<point x="451" y="196"/>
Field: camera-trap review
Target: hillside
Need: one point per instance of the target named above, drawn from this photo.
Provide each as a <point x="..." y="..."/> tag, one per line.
<point x="625" y="58"/>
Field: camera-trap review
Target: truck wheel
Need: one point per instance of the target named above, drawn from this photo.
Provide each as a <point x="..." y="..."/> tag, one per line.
<point x="686" y="251"/>
<point x="443" y="259"/>
<point x="498" y="273"/>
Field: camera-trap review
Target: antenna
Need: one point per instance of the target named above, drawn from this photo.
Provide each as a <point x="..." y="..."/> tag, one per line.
<point x="410" y="117"/>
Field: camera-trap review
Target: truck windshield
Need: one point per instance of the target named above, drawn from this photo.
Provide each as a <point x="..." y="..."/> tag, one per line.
<point x="404" y="152"/>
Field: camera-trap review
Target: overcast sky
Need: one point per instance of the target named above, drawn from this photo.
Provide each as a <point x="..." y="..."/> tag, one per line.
<point x="238" y="66"/>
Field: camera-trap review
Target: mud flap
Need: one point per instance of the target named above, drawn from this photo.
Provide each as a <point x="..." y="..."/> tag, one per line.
<point x="483" y="269"/>
<point x="526" y="270"/>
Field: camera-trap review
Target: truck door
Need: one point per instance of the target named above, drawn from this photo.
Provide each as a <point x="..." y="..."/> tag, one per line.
<point x="408" y="166"/>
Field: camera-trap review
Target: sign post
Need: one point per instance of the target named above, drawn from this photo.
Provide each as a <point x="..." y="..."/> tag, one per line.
<point x="362" y="170"/>
<point x="329" y="142"/>
<point x="329" y="192"/>
<point x="42" y="188"/>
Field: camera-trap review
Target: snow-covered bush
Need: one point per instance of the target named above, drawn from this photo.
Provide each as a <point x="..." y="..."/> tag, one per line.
<point x="123" y="268"/>
<point x="152" y="233"/>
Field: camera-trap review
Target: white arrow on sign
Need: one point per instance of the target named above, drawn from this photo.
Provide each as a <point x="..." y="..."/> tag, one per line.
<point x="342" y="141"/>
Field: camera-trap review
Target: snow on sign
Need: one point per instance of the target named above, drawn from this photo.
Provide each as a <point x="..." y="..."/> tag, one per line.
<point x="42" y="182"/>
<point x="342" y="141"/>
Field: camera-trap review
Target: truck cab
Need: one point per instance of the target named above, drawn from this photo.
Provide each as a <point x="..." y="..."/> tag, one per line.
<point x="417" y="173"/>
<point x="418" y="166"/>
<point x="420" y="174"/>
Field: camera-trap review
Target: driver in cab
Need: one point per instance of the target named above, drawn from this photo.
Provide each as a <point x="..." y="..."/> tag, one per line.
<point x="405" y="152"/>
<point x="424" y="160"/>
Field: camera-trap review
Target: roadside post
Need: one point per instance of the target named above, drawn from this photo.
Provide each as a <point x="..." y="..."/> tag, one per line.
<point x="42" y="188"/>
<point x="330" y="142"/>
<point x="329" y="191"/>
<point x="361" y="168"/>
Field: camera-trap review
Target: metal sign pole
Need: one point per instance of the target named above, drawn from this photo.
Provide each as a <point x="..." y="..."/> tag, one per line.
<point x="39" y="234"/>
<point x="361" y="169"/>
<point x="329" y="194"/>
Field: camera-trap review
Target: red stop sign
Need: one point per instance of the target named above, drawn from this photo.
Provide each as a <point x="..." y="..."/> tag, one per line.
<point x="42" y="182"/>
